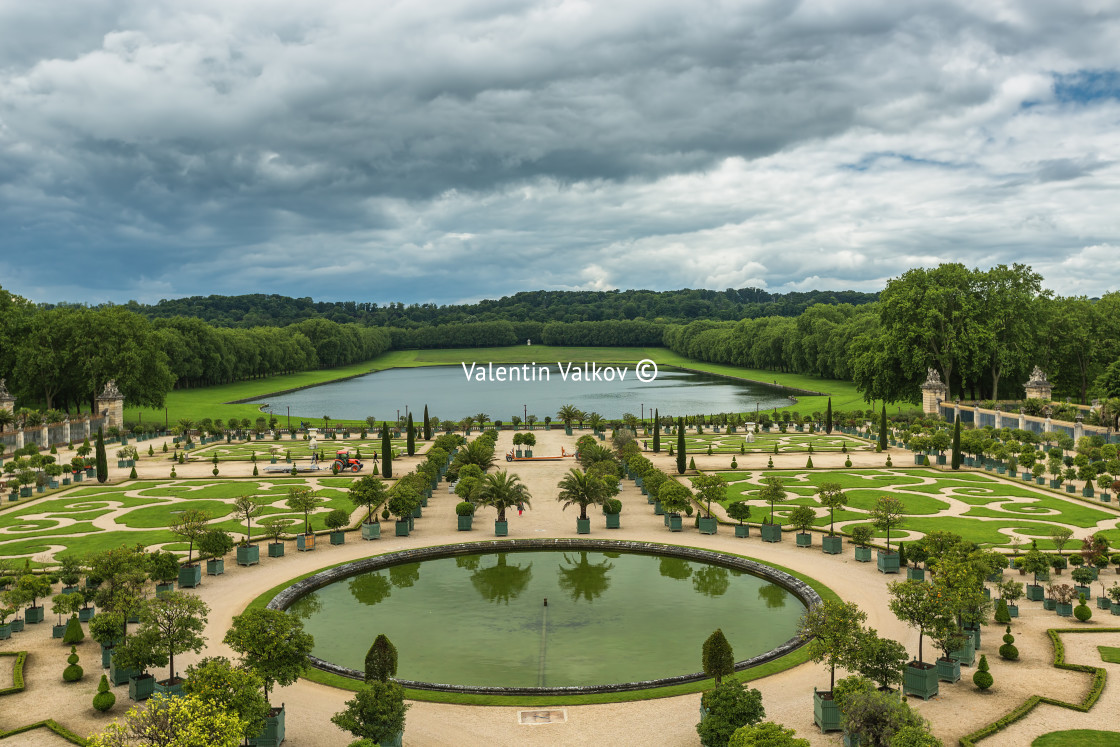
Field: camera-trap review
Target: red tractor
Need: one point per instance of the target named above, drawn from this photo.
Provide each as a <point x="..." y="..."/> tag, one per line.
<point x="343" y="461"/>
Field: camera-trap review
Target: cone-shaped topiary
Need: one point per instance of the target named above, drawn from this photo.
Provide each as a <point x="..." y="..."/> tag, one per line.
<point x="982" y="678"/>
<point x="1003" y="615"/>
<point x="692" y="464"/>
<point x="74" y="633"/>
<point x="809" y="463"/>
<point x="104" y="700"/>
<point x="255" y="471"/>
<point x="902" y="559"/>
<point x="1008" y="650"/>
<point x="381" y="660"/>
<point x="73" y="672"/>
<point x="132" y="474"/>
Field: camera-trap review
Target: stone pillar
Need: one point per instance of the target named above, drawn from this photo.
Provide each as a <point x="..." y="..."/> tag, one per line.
<point x="933" y="392"/>
<point x="110" y="405"/>
<point x="66" y="430"/>
<point x="1038" y="387"/>
<point x="1022" y="420"/>
<point x="45" y="437"/>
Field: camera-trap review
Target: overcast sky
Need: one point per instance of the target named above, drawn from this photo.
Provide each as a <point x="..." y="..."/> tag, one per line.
<point x="454" y="150"/>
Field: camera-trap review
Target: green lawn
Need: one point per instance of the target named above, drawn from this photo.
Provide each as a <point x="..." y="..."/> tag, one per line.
<point x="1111" y="654"/>
<point x="243" y="451"/>
<point x="197" y="404"/>
<point x="764" y="443"/>
<point x="1078" y="738"/>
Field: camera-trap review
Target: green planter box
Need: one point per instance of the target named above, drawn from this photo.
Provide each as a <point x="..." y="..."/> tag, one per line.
<point x="106" y="655"/>
<point x="826" y="714"/>
<point x="501" y="528"/>
<point x="5" y="631"/>
<point x="273" y="733"/>
<point x="275" y="549"/>
<point x="25" y="492"/>
<point x="833" y="545"/>
<point x="17" y="625"/>
<point x="162" y="589"/>
<point x="614" y="521"/>
<point x="190" y="576"/>
<point x="465" y="523"/>
<point x="973" y="631"/>
<point x="34" y="615"/>
<point x="1065" y="610"/>
<point x="657" y="509"/>
<point x="863" y="554"/>
<point x="708" y="525"/>
<point x="1040" y="481"/>
<point x="418" y="512"/>
<point x="915" y="574"/>
<point x="371" y="531"/>
<point x="948" y="670"/>
<point x="803" y="539"/>
<point x="338" y="538"/>
<point x="402" y="527"/>
<point x="583" y="526"/>
<point x="966" y="654"/>
<point x="1083" y="590"/>
<point x="771" y="532"/>
<point x="170" y="688"/>
<point x="85" y="613"/>
<point x="1087" y="492"/>
<point x="1013" y="610"/>
<point x="676" y="523"/>
<point x="995" y="578"/>
<point x="248" y="555"/>
<point x="215" y="566"/>
<point x="887" y="561"/>
<point x="57" y="631"/>
<point x="1115" y="609"/>
<point x="305" y="542"/>
<point x="920" y="679"/>
<point x="742" y="530"/>
<point x="1049" y="604"/>
<point x="1104" y="603"/>
<point x="120" y="676"/>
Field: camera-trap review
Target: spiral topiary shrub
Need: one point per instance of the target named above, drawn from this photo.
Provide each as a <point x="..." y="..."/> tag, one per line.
<point x="104" y="700"/>
<point x="1082" y="611"/>
<point x="982" y="678"/>
<point x="1008" y="650"/>
<point x="73" y="672"/>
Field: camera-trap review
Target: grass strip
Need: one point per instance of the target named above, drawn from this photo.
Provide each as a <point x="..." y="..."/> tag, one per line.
<point x="1099" y="678"/>
<point x="17" y="672"/>
<point x="49" y="723"/>
<point x="790" y="660"/>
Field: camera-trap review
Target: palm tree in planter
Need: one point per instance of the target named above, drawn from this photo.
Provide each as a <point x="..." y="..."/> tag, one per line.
<point x="501" y="491"/>
<point x="566" y="414"/>
<point x="920" y="606"/>
<point x="709" y="488"/>
<point x="247" y="508"/>
<point x="773" y="492"/>
<point x="675" y="499"/>
<point x="802" y="518"/>
<point x="832" y="496"/>
<point x="370" y="493"/>
<point x="581" y="489"/>
<point x="274" y="645"/>
<point x="214" y="544"/>
<point x="833" y="629"/>
<point x="274" y="528"/>
<point x="189" y="526"/>
<point x="888" y="512"/>
<point x="335" y="521"/>
<point x="304" y="501"/>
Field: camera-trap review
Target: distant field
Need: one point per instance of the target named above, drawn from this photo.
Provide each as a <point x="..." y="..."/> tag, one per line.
<point x="196" y="404"/>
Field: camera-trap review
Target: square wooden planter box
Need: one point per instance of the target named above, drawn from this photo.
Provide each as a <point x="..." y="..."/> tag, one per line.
<point x="465" y="523"/>
<point x="34" y="615"/>
<point x="215" y="566"/>
<point x="305" y="542"/>
<point x="771" y="532"/>
<point x="833" y="545"/>
<point x="371" y="531"/>
<point x="119" y="675"/>
<point x="742" y="530"/>
<point x="826" y="714"/>
<point x="583" y="526"/>
<point x="402" y="527"/>
<point x="915" y="574"/>
<point x="501" y="528"/>
<point x="676" y="523"/>
<point x="275" y="549"/>
<point x="887" y="561"/>
<point x="708" y="525"/>
<point x="863" y="554"/>
<point x="920" y="679"/>
<point x="803" y="540"/>
<point x="948" y="670"/>
<point x="1115" y="609"/>
<point x="1035" y="593"/>
<point x="338" y="538"/>
<point x="141" y="687"/>
<point x="657" y="509"/>
<point x="248" y="555"/>
<point x="273" y="733"/>
<point x="190" y="576"/>
<point x="966" y="654"/>
<point x="171" y="688"/>
<point x="614" y="521"/>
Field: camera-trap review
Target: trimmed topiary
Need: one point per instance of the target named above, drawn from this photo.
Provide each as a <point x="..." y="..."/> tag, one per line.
<point x="465" y="508"/>
<point x="1003" y="615"/>
<point x="1082" y="611"/>
<point x="809" y="463"/>
<point x="692" y="464"/>
<point x="848" y="462"/>
<point x="104" y="700"/>
<point x="983" y="678"/>
<point x="889" y="462"/>
<point x="1008" y="650"/>
<point x="770" y="462"/>
<point x="132" y="474"/>
<point x="74" y="633"/>
<point x="255" y="471"/>
<point x="734" y="464"/>
<point x="73" y="672"/>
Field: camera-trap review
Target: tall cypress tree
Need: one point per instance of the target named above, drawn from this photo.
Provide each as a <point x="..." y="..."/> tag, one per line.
<point x="656" y="434"/>
<point x="410" y="438"/>
<point x="427" y="425"/>
<point x="681" y="461"/>
<point x="386" y="452"/>
<point x="957" y="443"/>
<point x="101" y="462"/>
<point x="883" y="429"/>
<point x="828" y="417"/>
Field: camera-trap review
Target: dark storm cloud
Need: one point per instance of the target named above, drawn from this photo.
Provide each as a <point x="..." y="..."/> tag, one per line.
<point x="356" y="150"/>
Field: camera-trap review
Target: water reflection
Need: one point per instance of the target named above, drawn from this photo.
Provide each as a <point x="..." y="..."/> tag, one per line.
<point x="711" y="581"/>
<point x="584" y="579"/>
<point x="306" y="606"/>
<point x="774" y="596"/>
<point x="470" y="562"/>
<point x="675" y="568"/>
<point x="405" y="575"/>
<point x="501" y="582"/>
<point x="370" y="588"/>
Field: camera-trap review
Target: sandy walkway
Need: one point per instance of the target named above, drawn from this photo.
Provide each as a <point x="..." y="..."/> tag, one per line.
<point x="668" y="721"/>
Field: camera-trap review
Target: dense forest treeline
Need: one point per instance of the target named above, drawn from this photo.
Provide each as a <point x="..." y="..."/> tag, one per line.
<point x="983" y="330"/>
<point x="531" y="306"/>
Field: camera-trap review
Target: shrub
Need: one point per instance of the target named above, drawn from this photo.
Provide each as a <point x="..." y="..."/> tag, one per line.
<point x="381" y="660"/>
<point x="1003" y="615"/>
<point x="1008" y="650"/>
<point x="612" y="506"/>
<point x="847" y="462"/>
<point x="728" y="706"/>
<point x="73" y="672"/>
<point x="337" y="519"/>
<point x="464" y="508"/>
<point x="1082" y="611"/>
<point x="376" y="713"/>
<point x="717" y="657"/>
<point x="104" y="700"/>
<point x="889" y="462"/>
<point x="734" y="463"/>
<point x="692" y="464"/>
<point x="766" y="734"/>
<point x="982" y="677"/>
<point x="809" y="463"/>
<point x="74" y="633"/>
<point x="770" y="462"/>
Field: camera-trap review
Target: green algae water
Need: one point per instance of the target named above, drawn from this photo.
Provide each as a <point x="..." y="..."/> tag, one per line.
<point x="611" y="617"/>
